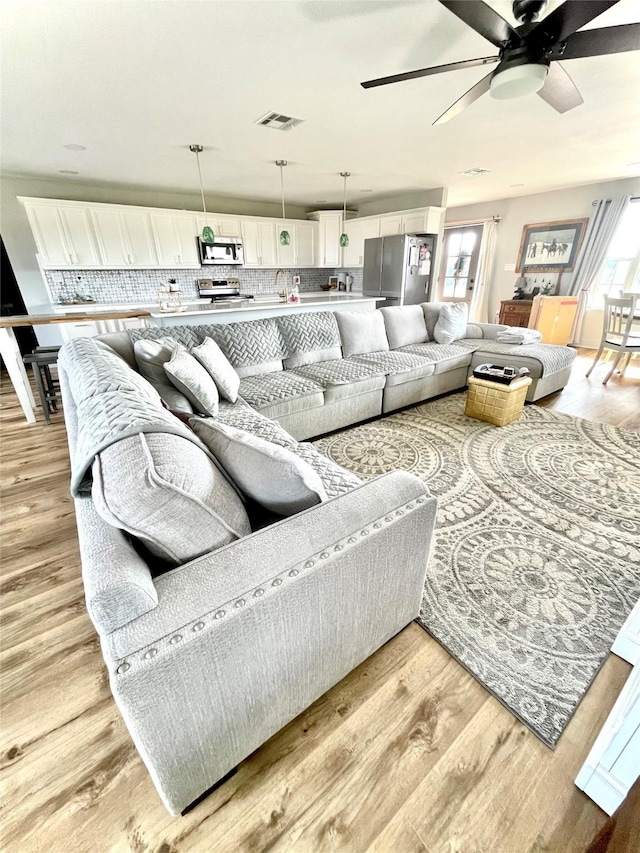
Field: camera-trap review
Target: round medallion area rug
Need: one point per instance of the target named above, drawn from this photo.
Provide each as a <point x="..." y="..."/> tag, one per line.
<point x="535" y="562"/>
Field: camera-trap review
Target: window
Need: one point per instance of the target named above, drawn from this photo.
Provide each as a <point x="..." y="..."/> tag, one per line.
<point x="620" y="272"/>
<point x="459" y="262"/>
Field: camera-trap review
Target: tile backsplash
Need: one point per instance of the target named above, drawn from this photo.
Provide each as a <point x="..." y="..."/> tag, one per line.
<point x="141" y="286"/>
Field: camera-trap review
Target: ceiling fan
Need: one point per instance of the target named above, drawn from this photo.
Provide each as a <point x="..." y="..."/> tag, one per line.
<point x="527" y="53"/>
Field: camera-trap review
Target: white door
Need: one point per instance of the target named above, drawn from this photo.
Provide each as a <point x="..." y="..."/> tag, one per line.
<point x="267" y="242"/>
<point x="114" y="251"/>
<point x="459" y="263"/>
<point x="49" y="235"/>
<point x="390" y="225"/>
<point x="250" y="243"/>
<point x="306" y="244"/>
<point x="78" y="232"/>
<point x="138" y="236"/>
<point x="287" y="255"/>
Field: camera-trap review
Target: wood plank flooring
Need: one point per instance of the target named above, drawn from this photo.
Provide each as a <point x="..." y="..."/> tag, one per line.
<point x="407" y="754"/>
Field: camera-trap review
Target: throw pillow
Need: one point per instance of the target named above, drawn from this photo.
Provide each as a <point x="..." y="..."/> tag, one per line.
<point x="151" y="356"/>
<point x="362" y="331"/>
<point x="192" y="380"/>
<point x="218" y="365"/>
<point x="272" y="476"/>
<point x="452" y="322"/>
<point x="165" y="491"/>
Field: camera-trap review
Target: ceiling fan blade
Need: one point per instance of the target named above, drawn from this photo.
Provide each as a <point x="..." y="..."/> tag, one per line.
<point x="483" y="19"/>
<point x="559" y="90"/>
<point x="599" y="42"/>
<point x="426" y="72"/>
<point x="466" y="100"/>
<point x="566" y="19"/>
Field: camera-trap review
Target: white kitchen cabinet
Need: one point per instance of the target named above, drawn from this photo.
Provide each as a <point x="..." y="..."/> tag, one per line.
<point x="286" y="255"/>
<point x="223" y="226"/>
<point x="63" y="236"/>
<point x="82" y="329"/>
<point x="306" y="244"/>
<point x="359" y="230"/>
<point x="390" y="225"/>
<point x="175" y="237"/>
<point x="125" y="238"/>
<point x="260" y="242"/>
<point x="268" y="241"/>
<point x="414" y="223"/>
<point x="250" y="243"/>
<point x="329" y="252"/>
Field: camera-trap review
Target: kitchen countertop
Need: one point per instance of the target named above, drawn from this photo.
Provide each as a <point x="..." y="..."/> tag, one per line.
<point x="259" y="304"/>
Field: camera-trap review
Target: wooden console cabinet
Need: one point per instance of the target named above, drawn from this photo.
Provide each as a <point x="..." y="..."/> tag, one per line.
<point x="515" y="312"/>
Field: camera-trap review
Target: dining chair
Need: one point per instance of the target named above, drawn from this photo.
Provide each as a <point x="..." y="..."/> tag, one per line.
<point x="618" y="333"/>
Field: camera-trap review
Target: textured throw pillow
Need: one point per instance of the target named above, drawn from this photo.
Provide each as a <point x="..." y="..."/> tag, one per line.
<point x="452" y="323"/>
<point x="361" y="331"/>
<point x="218" y="365"/>
<point x="192" y="380"/>
<point x="272" y="476"/>
<point x="165" y="491"/>
<point x="151" y="356"/>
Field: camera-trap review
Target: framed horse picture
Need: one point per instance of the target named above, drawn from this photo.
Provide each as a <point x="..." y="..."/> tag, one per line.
<point x="550" y="246"/>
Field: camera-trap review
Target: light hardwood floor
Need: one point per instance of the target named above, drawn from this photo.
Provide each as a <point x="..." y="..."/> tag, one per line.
<point x="407" y="754"/>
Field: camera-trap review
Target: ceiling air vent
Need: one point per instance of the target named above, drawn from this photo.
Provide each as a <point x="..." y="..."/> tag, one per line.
<point x="278" y="121"/>
<point x="476" y="172"/>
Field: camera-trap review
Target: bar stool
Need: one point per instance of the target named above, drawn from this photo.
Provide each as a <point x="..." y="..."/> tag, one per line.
<point x="41" y="360"/>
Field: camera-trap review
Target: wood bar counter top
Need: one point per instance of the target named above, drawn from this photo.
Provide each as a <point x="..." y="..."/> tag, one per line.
<point x="78" y="317"/>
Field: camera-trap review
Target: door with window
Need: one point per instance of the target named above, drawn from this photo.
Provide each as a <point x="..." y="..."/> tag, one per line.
<point x="459" y="264"/>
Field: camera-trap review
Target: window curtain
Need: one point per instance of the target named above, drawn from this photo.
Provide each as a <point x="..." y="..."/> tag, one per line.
<point x="479" y="308"/>
<point x="600" y="230"/>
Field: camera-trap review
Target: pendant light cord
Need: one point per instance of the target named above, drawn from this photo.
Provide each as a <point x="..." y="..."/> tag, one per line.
<point x="282" y="195"/>
<point x="344" y="203"/>
<point x="204" y="206"/>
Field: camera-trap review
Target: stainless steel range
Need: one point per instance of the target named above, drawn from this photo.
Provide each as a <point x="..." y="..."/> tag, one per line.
<point x="225" y="290"/>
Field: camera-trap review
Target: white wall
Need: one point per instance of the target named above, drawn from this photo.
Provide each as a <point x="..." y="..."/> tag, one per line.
<point x="21" y="246"/>
<point x="402" y="201"/>
<point x="572" y="203"/>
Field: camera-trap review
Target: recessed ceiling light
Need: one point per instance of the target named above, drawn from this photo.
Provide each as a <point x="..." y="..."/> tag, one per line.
<point x="67" y="172"/>
<point x="476" y="172"/>
<point x="366" y="191"/>
<point x="517" y="185"/>
<point x="321" y="201"/>
<point x="72" y="146"/>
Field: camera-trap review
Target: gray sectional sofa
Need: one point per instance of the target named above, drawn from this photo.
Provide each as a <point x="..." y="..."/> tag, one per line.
<point x="217" y="626"/>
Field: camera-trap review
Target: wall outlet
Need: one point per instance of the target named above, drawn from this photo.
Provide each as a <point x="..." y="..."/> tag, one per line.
<point x="57" y="277"/>
<point x="296" y="281"/>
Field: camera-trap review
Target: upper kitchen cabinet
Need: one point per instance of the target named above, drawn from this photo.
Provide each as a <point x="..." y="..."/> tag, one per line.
<point x="358" y="231"/>
<point x="63" y="235"/>
<point x="175" y="238"/>
<point x="301" y="250"/>
<point x="390" y="225"/>
<point x="124" y="237"/>
<point x="329" y="252"/>
<point x="259" y="242"/>
<point x="223" y="226"/>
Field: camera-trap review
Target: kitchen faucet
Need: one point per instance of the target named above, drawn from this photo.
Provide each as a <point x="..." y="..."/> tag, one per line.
<point x="285" y="293"/>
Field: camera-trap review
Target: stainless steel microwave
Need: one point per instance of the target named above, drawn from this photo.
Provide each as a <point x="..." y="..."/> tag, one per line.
<point x="223" y="250"/>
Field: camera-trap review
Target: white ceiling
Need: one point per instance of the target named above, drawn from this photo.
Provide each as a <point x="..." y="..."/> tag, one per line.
<point x="136" y="81"/>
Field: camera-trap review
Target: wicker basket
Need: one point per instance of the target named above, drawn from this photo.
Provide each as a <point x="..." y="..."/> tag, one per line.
<point x="494" y="403"/>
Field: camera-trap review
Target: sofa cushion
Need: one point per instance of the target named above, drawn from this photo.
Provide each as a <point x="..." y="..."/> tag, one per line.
<point x="362" y="331"/>
<point x="192" y="380"/>
<point x="151" y="356"/>
<point x="310" y="338"/>
<point x="405" y="325"/>
<point x="452" y="322"/>
<point x="444" y="356"/>
<point x="399" y="367"/>
<point x="165" y="491"/>
<point x="541" y="359"/>
<point x="253" y="347"/>
<point x="242" y="416"/>
<point x="272" y="476"/>
<point x="342" y="378"/>
<point x="281" y="393"/>
<point x="335" y="479"/>
<point x="219" y="367"/>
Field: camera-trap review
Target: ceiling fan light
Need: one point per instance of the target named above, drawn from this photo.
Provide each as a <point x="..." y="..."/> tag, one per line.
<point x="519" y="81"/>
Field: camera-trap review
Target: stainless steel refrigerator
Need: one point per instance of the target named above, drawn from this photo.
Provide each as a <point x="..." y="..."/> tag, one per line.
<point x="399" y="268"/>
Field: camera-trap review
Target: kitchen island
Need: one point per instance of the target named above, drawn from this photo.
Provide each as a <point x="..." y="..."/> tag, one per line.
<point x="261" y="307"/>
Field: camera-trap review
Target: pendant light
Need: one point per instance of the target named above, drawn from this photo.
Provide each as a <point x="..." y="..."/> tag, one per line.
<point x="344" y="237"/>
<point x="207" y="232"/>
<point x="285" y="237"/>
